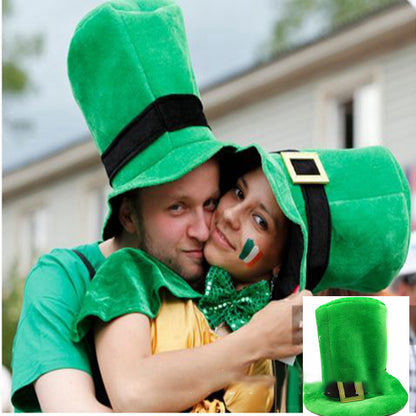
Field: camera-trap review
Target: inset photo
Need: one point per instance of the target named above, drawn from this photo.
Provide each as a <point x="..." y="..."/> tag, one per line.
<point x="356" y="355"/>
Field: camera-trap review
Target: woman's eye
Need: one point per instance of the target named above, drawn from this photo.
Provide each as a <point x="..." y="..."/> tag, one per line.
<point x="260" y="221"/>
<point x="238" y="192"/>
<point x="211" y="205"/>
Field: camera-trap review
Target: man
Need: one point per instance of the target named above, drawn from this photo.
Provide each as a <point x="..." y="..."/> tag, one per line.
<point x="131" y="74"/>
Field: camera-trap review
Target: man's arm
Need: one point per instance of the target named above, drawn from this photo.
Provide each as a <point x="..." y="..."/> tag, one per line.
<point x="137" y="381"/>
<point x="67" y="390"/>
<point x="50" y="372"/>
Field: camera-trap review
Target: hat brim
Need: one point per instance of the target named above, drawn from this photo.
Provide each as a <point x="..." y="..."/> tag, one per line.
<point x="391" y="399"/>
<point x="175" y="164"/>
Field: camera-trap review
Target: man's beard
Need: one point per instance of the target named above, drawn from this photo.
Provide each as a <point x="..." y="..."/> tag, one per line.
<point x="196" y="280"/>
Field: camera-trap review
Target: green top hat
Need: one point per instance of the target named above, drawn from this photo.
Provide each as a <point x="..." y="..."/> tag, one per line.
<point x="349" y="213"/>
<point x="131" y="75"/>
<point x="353" y="345"/>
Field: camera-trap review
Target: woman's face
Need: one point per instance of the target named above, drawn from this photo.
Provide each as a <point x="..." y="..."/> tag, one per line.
<point x="248" y="211"/>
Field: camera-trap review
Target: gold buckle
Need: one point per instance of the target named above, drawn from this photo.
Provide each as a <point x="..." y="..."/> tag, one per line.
<point x="358" y="385"/>
<point x="320" y="178"/>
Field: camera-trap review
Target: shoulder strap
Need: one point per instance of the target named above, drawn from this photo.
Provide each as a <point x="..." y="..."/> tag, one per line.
<point x="100" y="391"/>
<point x="87" y="263"/>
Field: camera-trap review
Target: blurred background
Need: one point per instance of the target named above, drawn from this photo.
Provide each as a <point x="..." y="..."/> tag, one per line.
<point x="288" y="74"/>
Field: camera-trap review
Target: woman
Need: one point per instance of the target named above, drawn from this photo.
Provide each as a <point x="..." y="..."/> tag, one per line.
<point x="247" y="239"/>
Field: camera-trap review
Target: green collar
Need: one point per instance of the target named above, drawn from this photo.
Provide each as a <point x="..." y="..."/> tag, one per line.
<point x="129" y="281"/>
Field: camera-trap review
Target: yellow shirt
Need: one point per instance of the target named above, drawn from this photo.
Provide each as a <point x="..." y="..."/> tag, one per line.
<point x="181" y="325"/>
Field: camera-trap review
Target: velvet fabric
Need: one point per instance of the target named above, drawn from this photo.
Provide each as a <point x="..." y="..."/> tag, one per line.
<point x="131" y="282"/>
<point x="369" y="203"/>
<point x="123" y="56"/>
<point x="353" y="346"/>
<point x="222" y="303"/>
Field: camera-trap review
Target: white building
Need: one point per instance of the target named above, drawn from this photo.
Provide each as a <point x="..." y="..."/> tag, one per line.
<point x="354" y="87"/>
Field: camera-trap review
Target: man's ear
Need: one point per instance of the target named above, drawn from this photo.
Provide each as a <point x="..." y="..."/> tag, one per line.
<point x="126" y="216"/>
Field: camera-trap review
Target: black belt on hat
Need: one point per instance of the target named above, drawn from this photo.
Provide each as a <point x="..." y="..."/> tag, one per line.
<point x="319" y="224"/>
<point x="166" y="114"/>
<point x="319" y="221"/>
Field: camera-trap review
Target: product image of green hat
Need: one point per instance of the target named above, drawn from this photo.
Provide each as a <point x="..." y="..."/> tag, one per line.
<point x="349" y="213"/>
<point x="352" y="335"/>
<point x="131" y="75"/>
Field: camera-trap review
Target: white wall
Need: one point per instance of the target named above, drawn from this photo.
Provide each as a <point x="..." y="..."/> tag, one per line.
<point x="399" y="114"/>
<point x="294" y="119"/>
<point x="279" y="122"/>
<point x="66" y="203"/>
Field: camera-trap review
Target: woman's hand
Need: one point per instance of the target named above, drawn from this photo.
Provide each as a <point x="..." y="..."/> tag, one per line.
<point x="279" y="327"/>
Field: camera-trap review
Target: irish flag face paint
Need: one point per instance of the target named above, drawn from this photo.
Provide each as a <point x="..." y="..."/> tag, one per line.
<point x="250" y="253"/>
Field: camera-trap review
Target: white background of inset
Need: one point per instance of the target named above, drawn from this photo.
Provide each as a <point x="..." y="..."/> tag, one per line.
<point x="397" y="340"/>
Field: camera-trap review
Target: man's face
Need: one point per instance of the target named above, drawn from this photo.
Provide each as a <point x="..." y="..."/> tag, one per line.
<point x="175" y="220"/>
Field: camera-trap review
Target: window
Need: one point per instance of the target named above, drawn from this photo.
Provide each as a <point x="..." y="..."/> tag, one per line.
<point x="367" y="115"/>
<point x="97" y="211"/>
<point x="346" y="114"/>
<point x="34" y="238"/>
<point x="351" y="114"/>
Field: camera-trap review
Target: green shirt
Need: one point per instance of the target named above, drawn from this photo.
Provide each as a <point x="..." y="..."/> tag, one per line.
<point x="53" y="295"/>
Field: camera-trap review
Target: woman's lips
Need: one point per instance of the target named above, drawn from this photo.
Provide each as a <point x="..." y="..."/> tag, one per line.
<point x="221" y="239"/>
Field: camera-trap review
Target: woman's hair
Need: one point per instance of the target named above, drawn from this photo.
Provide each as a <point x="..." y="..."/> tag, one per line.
<point x="234" y="165"/>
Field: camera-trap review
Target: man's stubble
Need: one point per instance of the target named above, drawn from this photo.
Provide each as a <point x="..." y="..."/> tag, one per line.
<point x="146" y="243"/>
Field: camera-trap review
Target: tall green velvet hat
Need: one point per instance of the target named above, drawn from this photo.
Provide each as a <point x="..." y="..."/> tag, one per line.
<point x="349" y="213"/>
<point x="353" y="346"/>
<point x="131" y="75"/>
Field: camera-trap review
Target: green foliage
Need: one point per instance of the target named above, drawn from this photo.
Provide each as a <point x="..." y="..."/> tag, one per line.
<point x="6" y="7"/>
<point x="15" y="50"/>
<point x="14" y="78"/>
<point x="12" y="304"/>
<point x="318" y="16"/>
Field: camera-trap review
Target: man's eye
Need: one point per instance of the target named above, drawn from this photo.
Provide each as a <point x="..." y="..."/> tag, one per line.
<point x="261" y="222"/>
<point x="176" y="208"/>
<point x="238" y="192"/>
<point x="211" y="204"/>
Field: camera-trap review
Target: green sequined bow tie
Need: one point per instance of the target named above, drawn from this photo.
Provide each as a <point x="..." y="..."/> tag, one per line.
<point x="222" y="303"/>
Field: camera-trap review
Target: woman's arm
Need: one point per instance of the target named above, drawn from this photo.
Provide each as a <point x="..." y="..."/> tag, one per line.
<point x="174" y="381"/>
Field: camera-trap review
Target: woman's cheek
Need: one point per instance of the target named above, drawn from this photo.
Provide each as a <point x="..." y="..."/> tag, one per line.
<point x="212" y="256"/>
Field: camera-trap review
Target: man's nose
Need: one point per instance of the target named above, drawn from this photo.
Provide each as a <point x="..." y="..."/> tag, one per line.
<point x="199" y="228"/>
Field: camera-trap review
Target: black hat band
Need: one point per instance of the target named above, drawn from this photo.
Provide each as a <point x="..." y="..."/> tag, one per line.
<point x="166" y="114"/>
<point x="319" y="231"/>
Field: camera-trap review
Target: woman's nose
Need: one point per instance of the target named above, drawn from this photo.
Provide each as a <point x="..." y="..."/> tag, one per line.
<point x="232" y="216"/>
